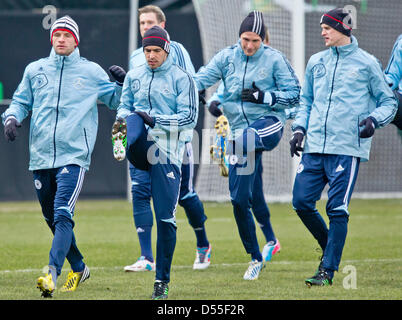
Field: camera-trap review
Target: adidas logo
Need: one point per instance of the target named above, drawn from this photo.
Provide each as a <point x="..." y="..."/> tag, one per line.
<point x="171" y="175"/>
<point x="65" y="170"/>
<point x="339" y="168"/>
<point x="139" y="230"/>
<point x="255" y="94"/>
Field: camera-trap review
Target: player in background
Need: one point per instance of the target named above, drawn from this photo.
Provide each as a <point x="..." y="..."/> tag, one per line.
<point x="259" y="85"/>
<point x="150" y="16"/>
<point x="61" y="91"/>
<point x="344" y="100"/>
<point x="158" y="125"/>
<point x="259" y="206"/>
<point x="393" y="75"/>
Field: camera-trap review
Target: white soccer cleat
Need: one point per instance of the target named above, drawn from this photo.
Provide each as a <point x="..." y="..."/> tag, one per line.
<point x="142" y="264"/>
<point x="253" y="270"/>
<point x="119" y="139"/>
<point x="202" y="258"/>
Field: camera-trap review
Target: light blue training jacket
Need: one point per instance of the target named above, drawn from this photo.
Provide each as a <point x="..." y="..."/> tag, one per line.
<point x="167" y="93"/>
<point x="268" y="68"/>
<point x="62" y="93"/>
<point x="343" y="86"/>
<point x="393" y="72"/>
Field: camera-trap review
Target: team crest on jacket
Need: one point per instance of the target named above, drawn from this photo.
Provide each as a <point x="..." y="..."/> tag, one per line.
<point x="39" y="81"/>
<point x="135" y="85"/>
<point x="78" y="83"/>
<point x="319" y="70"/>
<point x="262" y="73"/>
<point x="230" y="68"/>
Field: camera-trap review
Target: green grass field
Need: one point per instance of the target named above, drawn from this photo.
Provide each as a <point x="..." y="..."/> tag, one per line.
<point x="106" y="236"/>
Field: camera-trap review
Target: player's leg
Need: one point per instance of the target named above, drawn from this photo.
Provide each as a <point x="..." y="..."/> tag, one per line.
<point x="69" y="181"/>
<point x="241" y="182"/>
<point x="45" y="186"/>
<point x="165" y="186"/>
<point x="194" y="210"/>
<point x="262" y="215"/>
<point x="342" y="174"/>
<point x="137" y="143"/>
<point x="309" y="182"/>
<point x="143" y="218"/>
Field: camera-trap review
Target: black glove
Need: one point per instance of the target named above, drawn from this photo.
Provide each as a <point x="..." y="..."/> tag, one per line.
<point x="201" y="97"/>
<point x="369" y="128"/>
<point x="254" y="95"/>
<point x="296" y="142"/>
<point x="10" y="128"/>
<point x="213" y="108"/>
<point x="118" y="74"/>
<point x="147" y="118"/>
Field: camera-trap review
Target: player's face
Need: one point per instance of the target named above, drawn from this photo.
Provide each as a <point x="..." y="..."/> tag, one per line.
<point x="332" y="37"/>
<point x="147" y="21"/>
<point x="250" y="42"/>
<point x="155" y="56"/>
<point x="63" y="43"/>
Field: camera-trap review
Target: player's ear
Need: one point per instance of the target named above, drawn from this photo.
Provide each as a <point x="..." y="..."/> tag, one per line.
<point x="162" y="24"/>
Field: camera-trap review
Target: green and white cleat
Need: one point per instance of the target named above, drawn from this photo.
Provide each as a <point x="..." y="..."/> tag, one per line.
<point x="119" y="139"/>
<point x="161" y="290"/>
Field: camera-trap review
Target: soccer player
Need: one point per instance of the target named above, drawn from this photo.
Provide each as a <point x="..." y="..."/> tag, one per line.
<point x="61" y="91"/>
<point x="344" y="100"/>
<point x="158" y="111"/>
<point x="258" y="205"/>
<point x="393" y="75"/>
<point x="259" y="85"/>
<point x="150" y="16"/>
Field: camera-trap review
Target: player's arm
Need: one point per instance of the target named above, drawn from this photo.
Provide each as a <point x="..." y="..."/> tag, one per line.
<point x="386" y="103"/>
<point x="306" y="100"/>
<point x="393" y="72"/>
<point x="187" y="108"/>
<point x="109" y="92"/>
<point x="22" y="100"/>
<point x="210" y="74"/>
<point x="126" y="105"/>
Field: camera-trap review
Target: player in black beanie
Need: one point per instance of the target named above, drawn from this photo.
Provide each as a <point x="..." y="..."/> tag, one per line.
<point x="254" y="22"/>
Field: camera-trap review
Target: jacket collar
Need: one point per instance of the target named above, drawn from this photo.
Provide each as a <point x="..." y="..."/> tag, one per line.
<point x="346" y="49"/>
<point x="73" y="57"/>
<point x="163" y="67"/>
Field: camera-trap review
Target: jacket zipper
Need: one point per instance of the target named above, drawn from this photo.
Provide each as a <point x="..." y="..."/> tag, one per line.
<point x="330" y="97"/>
<point x="57" y="113"/>
<point x="244" y="76"/>
<point x="149" y="92"/>
<point x="86" y="143"/>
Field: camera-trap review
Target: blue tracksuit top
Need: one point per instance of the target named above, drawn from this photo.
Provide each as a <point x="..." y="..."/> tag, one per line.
<point x="393" y="72"/>
<point x="62" y="93"/>
<point x="168" y="94"/>
<point x="270" y="71"/>
<point x="343" y="85"/>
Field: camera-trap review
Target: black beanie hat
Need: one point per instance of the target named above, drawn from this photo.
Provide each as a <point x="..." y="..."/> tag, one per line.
<point x="254" y="22"/>
<point x="156" y="36"/>
<point x="338" y="19"/>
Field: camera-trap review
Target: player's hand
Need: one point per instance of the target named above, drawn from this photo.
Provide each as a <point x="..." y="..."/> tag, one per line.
<point x="214" y="109"/>
<point x="369" y="128"/>
<point x="118" y="73"/>
<point x="10" y="128"/>
<point x="296" y="143"/>
<point x="254" y="95"/>
<point x="147" y="118"/>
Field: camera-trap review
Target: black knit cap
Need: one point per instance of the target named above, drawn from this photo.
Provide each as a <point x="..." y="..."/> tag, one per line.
<point x="338" y="19"/>
<point x="254" y="22"/>
<point x="156" y="36"/>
